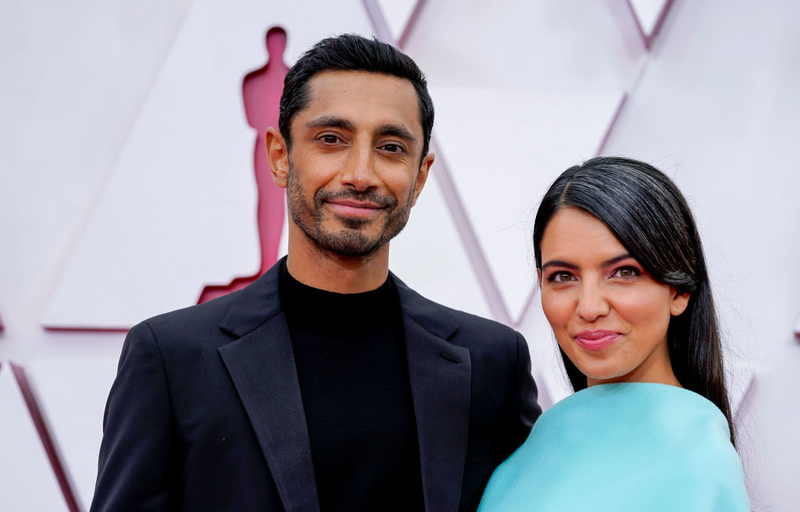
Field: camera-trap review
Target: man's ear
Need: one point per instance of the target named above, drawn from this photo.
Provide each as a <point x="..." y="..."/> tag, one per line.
<point x="278" y="156"/>
<point x="422" y="175"/>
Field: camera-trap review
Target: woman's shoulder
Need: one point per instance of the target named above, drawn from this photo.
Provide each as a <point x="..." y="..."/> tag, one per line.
<point x="625" y="444"/>
<point x="671" y="423"/>
<point x="636" y="405"/>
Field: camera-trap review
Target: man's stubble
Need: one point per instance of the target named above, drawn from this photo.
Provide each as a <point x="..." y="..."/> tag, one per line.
<point x="350" y="241"/>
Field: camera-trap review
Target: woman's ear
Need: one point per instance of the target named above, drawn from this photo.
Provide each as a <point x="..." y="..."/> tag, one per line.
<point x="678" y="303"/>
<point x="278" y="156"/>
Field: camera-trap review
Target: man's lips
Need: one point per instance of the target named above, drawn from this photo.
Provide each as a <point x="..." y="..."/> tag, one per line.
<point x="596" y="340"/>
<point x="353" y="208"/>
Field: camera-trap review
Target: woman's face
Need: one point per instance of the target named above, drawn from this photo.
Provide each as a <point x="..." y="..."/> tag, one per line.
<point x="608" y="314"/>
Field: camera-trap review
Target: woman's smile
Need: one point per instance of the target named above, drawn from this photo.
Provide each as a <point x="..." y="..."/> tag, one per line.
<point x="596" y="340"/>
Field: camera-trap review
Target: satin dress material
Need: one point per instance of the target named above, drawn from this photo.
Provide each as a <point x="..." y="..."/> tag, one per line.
<point x="623" y="447"/>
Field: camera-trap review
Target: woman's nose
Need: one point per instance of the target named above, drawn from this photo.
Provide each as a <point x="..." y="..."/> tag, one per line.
<point x="592" y="302"/>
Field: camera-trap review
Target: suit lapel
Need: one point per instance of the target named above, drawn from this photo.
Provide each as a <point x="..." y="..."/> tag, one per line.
<point x="261" y="365"/>
<point x="440" y="375"/>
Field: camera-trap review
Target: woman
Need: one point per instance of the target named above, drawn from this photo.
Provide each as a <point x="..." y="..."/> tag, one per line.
<point x="625" y="288"/>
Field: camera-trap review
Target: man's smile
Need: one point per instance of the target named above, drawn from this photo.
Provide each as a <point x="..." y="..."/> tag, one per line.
<point x="354" y="208"/>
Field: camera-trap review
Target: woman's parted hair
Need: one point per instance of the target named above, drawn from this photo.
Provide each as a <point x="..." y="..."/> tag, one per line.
<point x="649" y="216"/>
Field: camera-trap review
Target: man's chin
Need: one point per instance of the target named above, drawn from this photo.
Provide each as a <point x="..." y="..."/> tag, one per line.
<point x="354" y="223"/>
<point x="349" y="243"/>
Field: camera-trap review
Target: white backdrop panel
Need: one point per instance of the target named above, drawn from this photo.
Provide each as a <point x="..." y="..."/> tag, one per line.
<point x="75" y="76"/>
<point x="560" y="46"/>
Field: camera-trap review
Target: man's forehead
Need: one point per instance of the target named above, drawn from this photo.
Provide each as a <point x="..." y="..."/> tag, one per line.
<point x="343" y="76"/>
<point x="368" y="94"/>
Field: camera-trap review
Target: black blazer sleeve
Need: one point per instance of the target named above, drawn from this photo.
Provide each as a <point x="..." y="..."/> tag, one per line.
<point x="136" y="454"/>
<point x="504" y="406"/>
<point x="526" y="406"/>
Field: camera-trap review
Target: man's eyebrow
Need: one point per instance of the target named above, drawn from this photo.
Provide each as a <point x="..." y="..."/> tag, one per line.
<point x="395" y="130"/>
<point x="331" y="122"/>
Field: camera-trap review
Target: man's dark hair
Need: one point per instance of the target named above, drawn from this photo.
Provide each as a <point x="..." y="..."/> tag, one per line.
<point x="350" y="52"/>
<point x="649" y="216"/>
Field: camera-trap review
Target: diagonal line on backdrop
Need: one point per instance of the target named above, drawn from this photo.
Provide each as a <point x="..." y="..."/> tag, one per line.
<point x="412" y="20"/>
<point x="611" y="125"/>
<point x="381" y="26"/>
<point x="47" y="439"/>
<point x="378" y="20"/>
<point x="648" y="38"/>
<point x="477" y="257"/>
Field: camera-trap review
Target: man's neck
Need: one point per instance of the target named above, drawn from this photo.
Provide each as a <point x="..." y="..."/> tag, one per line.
<point x="335" y="273"/>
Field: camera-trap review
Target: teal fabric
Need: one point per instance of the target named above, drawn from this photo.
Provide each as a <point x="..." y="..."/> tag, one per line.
<point x="623" y="448"/>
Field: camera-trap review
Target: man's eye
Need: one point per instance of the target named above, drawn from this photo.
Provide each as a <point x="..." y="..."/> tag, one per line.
<point x="329" y="139"/>
<point x="392" y="148"/>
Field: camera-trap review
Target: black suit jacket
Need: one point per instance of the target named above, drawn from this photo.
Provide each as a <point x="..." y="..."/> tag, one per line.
<point x="206" y="413"/>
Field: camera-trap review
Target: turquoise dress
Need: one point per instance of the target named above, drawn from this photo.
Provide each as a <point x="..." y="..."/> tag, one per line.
<point x="623" y="448"/>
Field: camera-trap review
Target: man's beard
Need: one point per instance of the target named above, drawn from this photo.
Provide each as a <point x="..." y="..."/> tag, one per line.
<point x="349" y="241"/>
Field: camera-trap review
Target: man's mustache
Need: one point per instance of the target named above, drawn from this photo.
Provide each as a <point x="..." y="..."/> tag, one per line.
<point x="370" y="196"/>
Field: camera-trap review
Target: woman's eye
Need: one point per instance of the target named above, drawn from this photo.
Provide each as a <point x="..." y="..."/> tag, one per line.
<point x="626" y="272"/>
<point x="561" y="277"/>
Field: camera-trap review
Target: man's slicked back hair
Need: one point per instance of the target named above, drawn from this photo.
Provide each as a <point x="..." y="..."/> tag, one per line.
<point x="351" y="52"/>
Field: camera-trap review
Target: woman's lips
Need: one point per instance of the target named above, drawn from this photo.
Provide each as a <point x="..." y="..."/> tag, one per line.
<point x="596" y="340"/>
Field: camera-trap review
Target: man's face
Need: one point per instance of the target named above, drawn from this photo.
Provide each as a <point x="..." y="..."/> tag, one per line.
<point x="354" y="166"/>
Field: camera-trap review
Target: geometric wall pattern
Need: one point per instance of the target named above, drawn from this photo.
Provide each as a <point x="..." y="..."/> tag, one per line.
<point x="28" y="457"/>
<point x="175" y="207"/>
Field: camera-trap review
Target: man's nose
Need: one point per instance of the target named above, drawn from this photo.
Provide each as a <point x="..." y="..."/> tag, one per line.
<point x="359" y="172"/>
<point x="592" y="302"/>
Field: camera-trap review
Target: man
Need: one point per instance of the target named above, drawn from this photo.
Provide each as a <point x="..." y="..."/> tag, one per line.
<point x="327" y="384"/>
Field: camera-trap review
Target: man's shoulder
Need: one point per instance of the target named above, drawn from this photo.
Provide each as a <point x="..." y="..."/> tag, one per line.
<point x="237" y="312"/>
<point x="474" y="322"/>
<point x="197" y="326"/>
<point x="195" y="316"/>
<point x="467" y="323"/>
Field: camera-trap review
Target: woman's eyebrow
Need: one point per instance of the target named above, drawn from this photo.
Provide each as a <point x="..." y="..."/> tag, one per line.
<point x="616" y="259"/>
<point x="559" y="263"/>
<point x="565" y="264"/>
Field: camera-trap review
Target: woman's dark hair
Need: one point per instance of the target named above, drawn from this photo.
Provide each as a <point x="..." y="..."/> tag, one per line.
<point x="351" y="52"/>
<point x="647" y="213"/>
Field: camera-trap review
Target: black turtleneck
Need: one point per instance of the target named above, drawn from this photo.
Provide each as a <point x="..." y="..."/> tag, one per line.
<point x="351" y="362"/>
